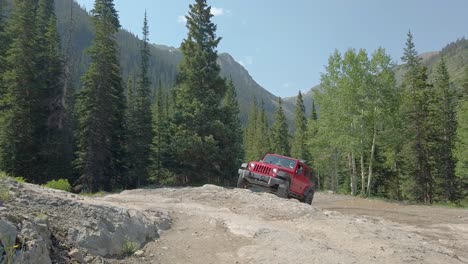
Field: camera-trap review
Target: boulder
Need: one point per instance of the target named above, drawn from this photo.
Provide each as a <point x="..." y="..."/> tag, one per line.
<point x="111" y="228"/>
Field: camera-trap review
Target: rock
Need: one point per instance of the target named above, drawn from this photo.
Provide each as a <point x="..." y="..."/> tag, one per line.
<point x="139" y="253"/>
<point x="37" y="242"/>
<point x="88" y="259"/>
<point x="35" y="215"/>
<point x="42" y="227"/>
<point x="8" y="233"/>
<point x="112" y="228"/>
<point x="76" y="255"/>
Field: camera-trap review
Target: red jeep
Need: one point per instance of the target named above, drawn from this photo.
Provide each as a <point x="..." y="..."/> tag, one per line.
<point x="285" y="176"/>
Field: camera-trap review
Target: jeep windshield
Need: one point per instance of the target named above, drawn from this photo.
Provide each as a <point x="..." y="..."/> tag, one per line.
<point x="280" y="161"/>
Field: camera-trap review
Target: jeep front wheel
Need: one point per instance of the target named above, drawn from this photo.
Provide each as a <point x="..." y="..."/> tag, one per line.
<point x="283" y="190"/>
<point x="309" y="197"/>
<point x="241" y="182"/>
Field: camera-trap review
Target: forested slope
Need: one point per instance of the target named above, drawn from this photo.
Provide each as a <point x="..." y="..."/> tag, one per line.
<point x="164" y="60"/>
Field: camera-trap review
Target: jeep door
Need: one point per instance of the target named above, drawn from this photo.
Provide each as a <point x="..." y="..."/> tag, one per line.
<point x="297" y="184"/>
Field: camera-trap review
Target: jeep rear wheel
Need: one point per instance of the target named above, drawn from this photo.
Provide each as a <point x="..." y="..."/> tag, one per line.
<point x="283" y="190"/>
<point x="241" y="182"/>
<point x="309" y="197"/>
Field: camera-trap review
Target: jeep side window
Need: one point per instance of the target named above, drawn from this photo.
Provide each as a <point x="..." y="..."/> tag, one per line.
<point x="299" y="170"/>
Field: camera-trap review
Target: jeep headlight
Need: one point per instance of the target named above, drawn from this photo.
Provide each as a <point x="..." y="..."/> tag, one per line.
<point x="275" y="170"/>
<point x="252" y="165"/>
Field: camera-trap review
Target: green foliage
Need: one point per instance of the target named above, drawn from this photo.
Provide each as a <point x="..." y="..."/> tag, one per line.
<point x="129" y="247"/>
<point x="3" y="45"/>
<point x="299" y="147"/>
<point x="461" y="148"/>
<point x="20" y="108"/>
<point x="161" y="158"/>
<point x="20" y="179"/>
<point x="4" y="175"/>
<point x="31" y="111"/>
<point x="5" y="195"/>
<point x="199" y="133"/>
<point x="280" y="133"/>
<point x="417" y="130"/>
<point x="357" y="102"/>
<point x="167" y="178"/>
<point x="398" y="139"/>
<point x="262" y="142"/>
<point x="249" y="134"/>
<point x="233" y="151"/>
<point x="60" y="184"/>
<point x="139" y="120"/>
<point x="443" y="122"/>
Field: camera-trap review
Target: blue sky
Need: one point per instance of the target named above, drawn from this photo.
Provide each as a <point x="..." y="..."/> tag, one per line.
<point x="285" y="44"/>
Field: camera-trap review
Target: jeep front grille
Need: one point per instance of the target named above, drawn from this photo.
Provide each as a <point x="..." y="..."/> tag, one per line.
<point x="262" y="169"/>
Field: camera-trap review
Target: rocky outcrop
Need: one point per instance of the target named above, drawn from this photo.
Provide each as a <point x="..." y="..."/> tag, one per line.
<point x="40" y="225"/>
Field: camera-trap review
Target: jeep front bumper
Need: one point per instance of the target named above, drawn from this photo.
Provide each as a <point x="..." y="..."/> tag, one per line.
<point x="258" y="179"/>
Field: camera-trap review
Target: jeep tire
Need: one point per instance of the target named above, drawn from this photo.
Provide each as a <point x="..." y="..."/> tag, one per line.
<point x="283" y="190"/>
<point x="241" y="182"/>
<point x="309" y="197"/>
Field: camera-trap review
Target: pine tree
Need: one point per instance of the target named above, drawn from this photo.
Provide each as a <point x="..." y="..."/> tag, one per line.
<point x="311" y="133"/>
<point x="415" y="110"/>
<point x="18" y="146"/>
<point x="313" y="112"/>
<point x="101" y="105"/>
<point x="250" y="132"/>
<point x="233" y="148"/>
<point x="299" y="148"/>
<point x="3" y="47"/>
<point x="199" y="92"/>
<point x="50" y="127"/>
<point x="139" y="112"/>
<point x="443" y="121"/>
<point x="461" y="149"/>
<point x="161" y="159"/>
<point x="262" y="143"/>
<point x="280" y="132"/>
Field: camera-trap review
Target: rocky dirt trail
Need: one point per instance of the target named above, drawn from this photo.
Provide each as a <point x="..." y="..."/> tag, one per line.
<point x="211" y="224"/>
<point x="217" y="225"/>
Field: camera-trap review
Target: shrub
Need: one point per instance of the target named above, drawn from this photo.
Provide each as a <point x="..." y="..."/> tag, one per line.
<point x="20" y="179"/>
<point x="129" y="247"/>
<point x="5" y="195"/>
<point x="60" y="184"/>
<point x="3" y="175"/>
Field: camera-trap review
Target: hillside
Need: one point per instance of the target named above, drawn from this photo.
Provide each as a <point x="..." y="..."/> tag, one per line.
<point x="163" y="63"/>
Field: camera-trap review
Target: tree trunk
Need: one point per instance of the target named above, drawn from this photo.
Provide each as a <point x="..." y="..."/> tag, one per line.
<point x="335" y="171"/>
<point x="397" y="171"/>
<point x="354" y="179"/>
<point x="369" y="177"/>
<point x="350" y="168"/>
<point x="363" y="176"/>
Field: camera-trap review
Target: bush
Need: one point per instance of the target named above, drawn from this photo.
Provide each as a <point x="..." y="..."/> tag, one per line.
<point x="5" y="195"/>
<point x="129" y="247"/>
<point x="60" y="184"/>
<point x="20" y="179"/>
<point x="3" y="175"/>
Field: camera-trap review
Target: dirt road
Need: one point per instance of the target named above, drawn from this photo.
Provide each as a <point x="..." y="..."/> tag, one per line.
<point x="216" y="225"/>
